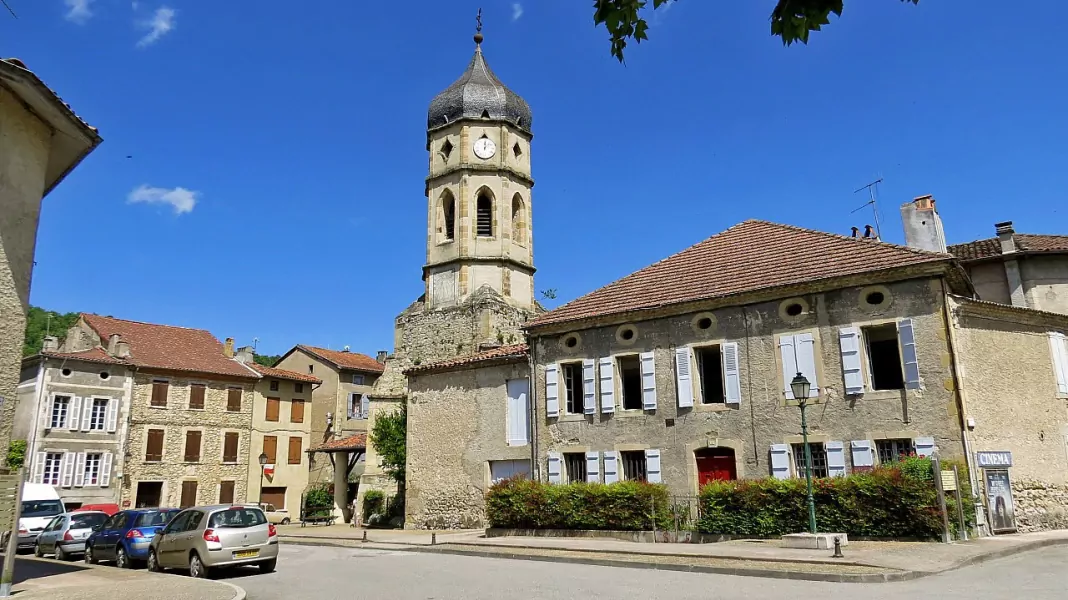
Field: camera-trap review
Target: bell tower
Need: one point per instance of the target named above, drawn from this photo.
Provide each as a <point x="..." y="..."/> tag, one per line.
<point x="479" y="191"/>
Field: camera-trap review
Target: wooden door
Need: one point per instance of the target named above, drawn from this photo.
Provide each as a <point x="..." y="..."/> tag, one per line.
<point x="715" y="464"/>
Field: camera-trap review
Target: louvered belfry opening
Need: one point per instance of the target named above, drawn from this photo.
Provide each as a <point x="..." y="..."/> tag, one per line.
<point x="484" y="214"/>
<point x="448" y="206"/>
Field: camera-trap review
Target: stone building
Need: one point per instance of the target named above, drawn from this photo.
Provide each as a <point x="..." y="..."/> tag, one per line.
<point x="41" y="141"/>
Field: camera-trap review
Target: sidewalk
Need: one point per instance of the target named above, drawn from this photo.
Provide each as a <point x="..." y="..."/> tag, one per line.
<point x="863" y="561"/>
<point x="46" y="578"/>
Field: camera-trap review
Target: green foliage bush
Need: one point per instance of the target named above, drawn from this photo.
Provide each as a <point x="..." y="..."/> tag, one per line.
<point x="374" y="503"/>
<point x="16" y="454"/>
<point x="623" y="506"/>
<point x="319" y="500"/>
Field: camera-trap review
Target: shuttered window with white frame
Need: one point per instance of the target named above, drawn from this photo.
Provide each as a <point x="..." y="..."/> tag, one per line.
<point x="780" y="461"/>
<point x="74" y="414"/>
<point x="1058" y="346"/>
<point x="589" y="386"/>
<point x="606" y="371"/>
<point x="906" y="333"/>
<point x="863" y="454"/>
<point x="732" y="377"/>
<point x="852" y="365"/>
<point x="836" y="462"/>
<point x="555" y="468"/>
<point x="67" y="474"/>
<point x="39" y="460"/>
<point x="88" y="403"/>
<point x="79" y="470"/>
<point x="593" y="467"/>
<point x="648" y="362"/>
<point x="113" y="415"/>
<point x="798" y="354"/>
<point x="518" y="412"/>
<point x="652" y="466"/>
<point x="105" y="469"/>
<point x="684" y="376"/>
<point x="552" y="391"/>
<point x="611" y="466"/>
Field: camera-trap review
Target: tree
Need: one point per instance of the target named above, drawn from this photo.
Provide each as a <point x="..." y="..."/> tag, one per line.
<point x="390" y="439"/>
<point x="266" y="360"/>
<point x="791" y="20"/>
<point x="41" y="322"/>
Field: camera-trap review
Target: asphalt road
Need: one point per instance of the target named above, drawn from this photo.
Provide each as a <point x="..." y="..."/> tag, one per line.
<point x="320" y="573"/>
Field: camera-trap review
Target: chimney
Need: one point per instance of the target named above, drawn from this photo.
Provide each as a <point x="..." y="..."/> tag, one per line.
<point x="113" y="343"/>
<point x="868" y="235"/>
<point x="245" y="354"/>
<point x="381" y="357"/>
<point x="50" y="344"/>
<point x="122" y="349"/>
<point x="1005" y="233"/>
<point x="228" y="350"/>
<point x="855" y="231"/>
<point x="923" y="225"/>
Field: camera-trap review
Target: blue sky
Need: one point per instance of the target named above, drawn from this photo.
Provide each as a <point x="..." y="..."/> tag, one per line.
<point x="298" y="130"/>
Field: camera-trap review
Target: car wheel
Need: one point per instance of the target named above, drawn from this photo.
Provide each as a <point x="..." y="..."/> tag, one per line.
<point x="196" y="567"/>
<point x="268" y="566"/>
<point x="153" y="562"/>
<point x="60" y="554"/>
<point x="90" y="558"/>
<point x="285" y="521"/>
<point x="121" y="560"/>
<point x="37" y="550"/>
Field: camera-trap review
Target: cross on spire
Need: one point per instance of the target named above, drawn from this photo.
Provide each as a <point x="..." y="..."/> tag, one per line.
<point x="478" y="27"/>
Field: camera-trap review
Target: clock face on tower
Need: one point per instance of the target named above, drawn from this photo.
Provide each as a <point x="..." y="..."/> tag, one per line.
<point x="485" y="148"/>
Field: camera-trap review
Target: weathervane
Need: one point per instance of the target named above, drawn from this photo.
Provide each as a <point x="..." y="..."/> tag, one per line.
<point x="478" y="27"/>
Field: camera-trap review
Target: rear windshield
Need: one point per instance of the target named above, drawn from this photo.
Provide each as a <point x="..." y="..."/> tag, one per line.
<point x="41" y="508"/>
<point x="87" y="521"/>
<point x="237" y="517"/>
<point x="155" y="518"/>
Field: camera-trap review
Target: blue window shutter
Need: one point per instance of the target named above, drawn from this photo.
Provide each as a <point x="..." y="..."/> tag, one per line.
<point x="611" y="467"/>
<point x="652" y="466"/>
<point x="836" y="464"/>
<point x="907" y="336"/>
<point x="684" y="376"/>
<point x="780" y="461"/>
<point x="589" y="387"/>
<point x="552" y="391"/>
<point x="925" y="446"/>
<point x="607" y="371"/>
<point x="554" y="469"/>
<point x="732" y="378"/>
<point x="789" y="363"/>
<point x="648" y="363"/>
<point x="863" y="456"/>
<point x="849" y="339"/>
<point x="806" y="360"/>
<point x="593" y="467"/>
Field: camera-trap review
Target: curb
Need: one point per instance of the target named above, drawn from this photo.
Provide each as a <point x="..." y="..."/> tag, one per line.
<point x="239" y="593"/>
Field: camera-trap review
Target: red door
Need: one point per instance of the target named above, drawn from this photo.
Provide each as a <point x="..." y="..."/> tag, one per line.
<point x="715" y="465"/>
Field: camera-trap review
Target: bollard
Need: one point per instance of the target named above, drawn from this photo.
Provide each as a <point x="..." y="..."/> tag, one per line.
<point x="433" y="538"/>
<point x="837" y="548"/>
<point x="364" y="535"/>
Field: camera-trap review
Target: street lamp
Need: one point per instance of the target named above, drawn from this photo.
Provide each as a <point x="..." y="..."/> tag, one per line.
<point x="263" y="466"/>
<point x="801" y="388"/>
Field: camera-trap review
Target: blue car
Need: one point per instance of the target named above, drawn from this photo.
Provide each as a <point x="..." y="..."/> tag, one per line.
<point x="124" y="538"/>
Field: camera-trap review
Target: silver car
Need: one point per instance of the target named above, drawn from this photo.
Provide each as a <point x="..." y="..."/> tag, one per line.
<point x="204" y="538"/>
<point x="64" y="536"/>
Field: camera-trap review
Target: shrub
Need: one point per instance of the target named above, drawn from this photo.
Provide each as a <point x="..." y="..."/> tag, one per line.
<point x="374" y="503"/>
<point x="624" y="506"/>
<point x="16" y="454"/>
<point x="319" y="501"/>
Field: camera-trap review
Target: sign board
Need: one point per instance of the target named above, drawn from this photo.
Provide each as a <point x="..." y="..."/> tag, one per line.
<point x="949" y="481"/>
<point x="1000" y="510"/>
<point x="994" y="460"/>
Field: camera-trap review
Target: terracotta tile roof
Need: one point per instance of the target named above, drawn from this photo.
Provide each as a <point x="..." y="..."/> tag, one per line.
<point x="753" y="255"/>
<point x="1025" y="242"/>
<point x="168" y="347"/>
<point x="97" y="355"/>
<point x="502" y="353"/>
<point x="282" y="373"/>
<point x="345" y="360"/>
<point x="353" y="442"/>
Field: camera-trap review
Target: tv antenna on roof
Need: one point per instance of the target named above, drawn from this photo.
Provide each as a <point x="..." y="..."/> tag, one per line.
<point x="9" y="9"/>
<point x="255" y="341"/>
<point x="871" y="187"/>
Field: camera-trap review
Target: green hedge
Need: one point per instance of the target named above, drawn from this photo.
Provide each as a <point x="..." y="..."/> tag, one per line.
<point x="624" y="506"/>
<point x="374" y="503"/>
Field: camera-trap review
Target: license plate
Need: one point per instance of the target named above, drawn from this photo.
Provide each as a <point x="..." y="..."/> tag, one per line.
<point x="247" y="554"/>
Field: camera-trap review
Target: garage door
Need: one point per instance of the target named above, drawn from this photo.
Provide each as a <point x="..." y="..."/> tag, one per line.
<point x="275" y="496"/>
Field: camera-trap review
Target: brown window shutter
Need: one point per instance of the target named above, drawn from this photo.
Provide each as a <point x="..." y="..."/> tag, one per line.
<point x="272" y="409"/>
<point x="230" y="447"/>
<point x="159" y="393"/>
<point x="296" y="411"/>
<point x="270" y="448"/>
<point x="192" y="446"/>
<point x="233" y="400"/>
<point x="226" y="492"/>
<point x="294" y="450"/>
<point x="196" y="396"/>
<point x="154" y="447"/>
<point x="189" y="494"/>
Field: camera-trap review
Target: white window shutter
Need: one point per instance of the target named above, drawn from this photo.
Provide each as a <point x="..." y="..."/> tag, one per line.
<point x="925" y="446"/>
<point x="589" y="386"/>
<point x="806" y="360"/>
<point x="105" y="469"/>
<point x="863" y="456"/>
<point x="789" y="363"/>
<point x="365" y="405"/>
<point x="67" y="470"/>
<point x="113" y="415"/>
<point x="611" y="467"/>
<point x="554" y="470"/>
<point x="907" y="335"/>
<point x="46" y="413"/>
<point x="607" y="372"/>
<point x="836" y="463"/>
<point x="648" y="362"/>
<point x="1058" y="346"/>
<point x="74" y="412"/>
<point x="684" y="376"/>
<point x="39" y="467"/>
<point x="87" y="412"/>
<point x="652" y="466"/>
<point x="79" y="470"/>
<point x="732" y="377"/>
<point x="780" y="461"/>
<point x="552" y="391"/>
<point x="593" y="467"/>
<point x="849" y="339"/>
<point x="518" y="412"/>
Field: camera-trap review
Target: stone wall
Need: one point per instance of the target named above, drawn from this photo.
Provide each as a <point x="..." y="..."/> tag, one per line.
<point x="1040" y="505"/>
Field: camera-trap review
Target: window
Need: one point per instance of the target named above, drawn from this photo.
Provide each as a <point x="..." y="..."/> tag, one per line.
<point x="237" y="518"/>
<point x="484" y="215"/>
<point x="575" y="466"/>
<point x="630" y="381"/>
<point x="633" y="465"/>
<point x="52" y="465"/>
<point x="230" y="441"/>
<point x="154" y="446"/>
<point x="507" y="469"/>
<point x="819" y="460"/>
<point x="296" y="411"/>
<point x="295" y="447"/>
<point x="160" y="388"/>
<point x="226" y="492"/>
<point x="1058" y="345"/>
<point x="448" y="215"/>
<point x="518" y="412"/>
<point x="192" y="446"/>
<point x="196" y="396"/>
<point x="298" y="388"/>
<point x="98" y="417"/>
<point x="892" y="450"/>
<point x="710" y="371"/>
<point x="270" y="448"/>
<point x="233" y="400"/>
<point x="357" y="380"/>
<point x="272" y="409"/>
<point x="519" y="225"/>
<point x="311" y="368"/>
<point x="60" y="406"/>
<point x="573" y="387"/>
<point x="189" y="494"/>
<point x="274" y="385"/>
<point x="446" y="149"/>
<point x="357" y="406"/>
<point x="92" y="468"/>
<point x="884" y="357"/>
<point x="105" y="375"/>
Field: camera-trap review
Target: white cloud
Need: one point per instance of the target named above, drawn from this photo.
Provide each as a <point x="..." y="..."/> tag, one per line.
<point x="158" y="26"/>
<point x="517" y="11"/>
<point x="78" y="10"/>
<point x="181" y="199"/>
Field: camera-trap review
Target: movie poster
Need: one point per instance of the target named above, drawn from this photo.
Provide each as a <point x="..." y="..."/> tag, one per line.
<point x="999" y="500"/>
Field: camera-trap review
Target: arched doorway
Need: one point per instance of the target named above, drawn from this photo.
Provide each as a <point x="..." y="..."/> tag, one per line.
<point x="715" y="464"/>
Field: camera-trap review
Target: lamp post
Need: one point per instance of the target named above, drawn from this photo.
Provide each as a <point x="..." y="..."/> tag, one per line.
<point x="263" y="466"/>
<point x="801" y="387"/>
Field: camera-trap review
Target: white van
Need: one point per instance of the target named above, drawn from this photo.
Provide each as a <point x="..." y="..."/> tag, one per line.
<point x="40" y="503"/>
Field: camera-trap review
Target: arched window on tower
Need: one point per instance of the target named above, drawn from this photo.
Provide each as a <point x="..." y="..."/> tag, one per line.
<point x="448" y="215"/>
<point x="519" y="221"/>
<point x="484" y="215"/>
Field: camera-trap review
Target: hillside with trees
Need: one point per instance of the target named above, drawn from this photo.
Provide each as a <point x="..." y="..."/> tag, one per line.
<point x="40" y="323"/>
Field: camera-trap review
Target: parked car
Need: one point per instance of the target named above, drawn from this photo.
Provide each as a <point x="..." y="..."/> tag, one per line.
<point x="205" y="538"/>
<point x="278" y="516"/>
<point x="40" y="504"/>
<point x="125" y="537"/>
<point x="65" y="535"/>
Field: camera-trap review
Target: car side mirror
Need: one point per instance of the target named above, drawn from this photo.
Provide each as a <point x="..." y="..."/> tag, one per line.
<point x="97" y="527"/>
